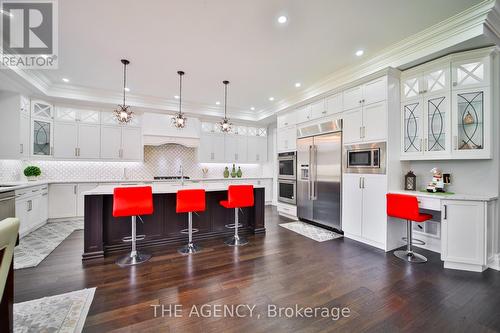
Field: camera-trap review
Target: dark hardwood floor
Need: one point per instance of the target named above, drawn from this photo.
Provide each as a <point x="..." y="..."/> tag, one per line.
<point x="383" y="293"/>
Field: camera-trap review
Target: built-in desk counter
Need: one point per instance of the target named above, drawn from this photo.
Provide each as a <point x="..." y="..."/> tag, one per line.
<point x="467" y="228"/>
<point x="104" y="233"/>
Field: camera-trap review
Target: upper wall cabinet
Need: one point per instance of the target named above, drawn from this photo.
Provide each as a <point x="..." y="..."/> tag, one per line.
<point x="287" y="119"/>
<point x="14" y="126"/>
<point x="303" y="114"/>
<point x="42" y="131"/>
<point x="446" y="108"/>
<point x="365" y="94"/>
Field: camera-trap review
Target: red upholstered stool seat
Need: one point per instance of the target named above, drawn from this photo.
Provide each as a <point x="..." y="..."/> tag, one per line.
<point x="189" y="201"/>
<point x="238" y="196"/>
<point x="133" y="201"/>
<point x="405" y="207"/>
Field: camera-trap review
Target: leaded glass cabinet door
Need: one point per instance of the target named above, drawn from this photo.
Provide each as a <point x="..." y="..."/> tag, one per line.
<point x="471" y="123"/>
<point x="411" y="87"/>
<point x="437" y="140"/>
<point x="412" y="128"/>
<point x="42" y="115"/>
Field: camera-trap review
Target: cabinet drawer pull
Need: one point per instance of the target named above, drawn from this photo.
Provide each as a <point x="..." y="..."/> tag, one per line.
<point x="445" y="212"/>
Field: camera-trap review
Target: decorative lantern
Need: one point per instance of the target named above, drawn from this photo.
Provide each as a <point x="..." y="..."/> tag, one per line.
<point x="410" y="181"/>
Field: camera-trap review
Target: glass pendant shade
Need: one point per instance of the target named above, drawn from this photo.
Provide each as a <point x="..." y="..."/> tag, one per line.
<point x="179" y="120"/>
<point x="123" y="114"/>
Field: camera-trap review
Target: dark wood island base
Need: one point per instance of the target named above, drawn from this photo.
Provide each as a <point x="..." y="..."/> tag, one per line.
<point x="103" y="233"/>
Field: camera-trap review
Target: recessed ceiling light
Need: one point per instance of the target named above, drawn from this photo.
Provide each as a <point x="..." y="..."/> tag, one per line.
<point x="65" y="80"/>
<point x="127" y="89"/>
<point x="176" y="96"/>
<point x="252" y="108"/>
<point x="217" y="103"/>
<point x="359" y="53"/>
<point x="271" y="99"/>
<point x="298" y="84"/>
<point x="282" y="19"/>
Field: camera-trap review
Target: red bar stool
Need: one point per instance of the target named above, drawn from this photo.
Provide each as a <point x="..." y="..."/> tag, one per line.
<point x="238" y="196"/>
<point x="189" y="201"/>
<point x="133" y="201"/>
<point x="406" y="207"/>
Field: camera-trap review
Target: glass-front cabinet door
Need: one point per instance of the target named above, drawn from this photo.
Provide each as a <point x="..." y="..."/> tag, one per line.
<point x="471" y="122"/>
<point x="437" y="141"/>
<point x="42" y="114"/>
<point x="471" y="73"/>
<point x="412" y="128"/>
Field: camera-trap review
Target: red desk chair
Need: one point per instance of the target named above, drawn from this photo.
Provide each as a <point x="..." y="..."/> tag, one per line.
<point x="189" y="201"/>
<point x="133" y="201"/>
<point x="406" y="207"/>
<point x="238" y="196"/>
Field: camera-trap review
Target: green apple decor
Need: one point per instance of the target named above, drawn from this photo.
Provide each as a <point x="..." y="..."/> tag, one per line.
<point x="32" y="172"/>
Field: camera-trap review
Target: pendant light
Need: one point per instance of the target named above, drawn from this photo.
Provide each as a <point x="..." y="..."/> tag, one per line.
<point x="179" y="121"/>
<point x="123" y="114"/>
<point x="225" y="125"/>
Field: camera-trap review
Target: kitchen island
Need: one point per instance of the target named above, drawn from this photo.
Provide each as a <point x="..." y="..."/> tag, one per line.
<point x="103" y="233"/>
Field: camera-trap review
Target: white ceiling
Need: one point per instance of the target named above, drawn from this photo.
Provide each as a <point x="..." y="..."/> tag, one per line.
<point x="237" y="40"/>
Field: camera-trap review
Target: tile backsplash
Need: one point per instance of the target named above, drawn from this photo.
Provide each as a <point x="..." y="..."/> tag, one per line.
<point x="162" y="160"/>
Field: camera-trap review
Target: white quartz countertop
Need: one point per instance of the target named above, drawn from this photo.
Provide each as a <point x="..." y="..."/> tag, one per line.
<point x="448" y="196"/>
<point x="13" y="186"/>
<point x="165" y="188"/>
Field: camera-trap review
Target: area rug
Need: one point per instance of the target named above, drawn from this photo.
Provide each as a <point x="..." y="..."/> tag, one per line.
<point x="311" y="231"/>
<point x="59" y="313"/>
<point x="37" y="245"/>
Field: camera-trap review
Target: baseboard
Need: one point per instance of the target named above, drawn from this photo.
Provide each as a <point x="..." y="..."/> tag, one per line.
<point x="365" y="241"/>
<point x="33" y="228"/>
<point x="494" y="262"/>
<point x="464" y="267"/>
<point x="66" y="219"/>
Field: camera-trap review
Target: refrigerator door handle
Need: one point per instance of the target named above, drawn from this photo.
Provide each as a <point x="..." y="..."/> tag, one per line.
<point x="309" y="175"/>
<point x="315" y="165"/>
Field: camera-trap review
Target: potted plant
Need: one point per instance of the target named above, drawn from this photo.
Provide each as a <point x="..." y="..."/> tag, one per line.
<point x="32" y="172"/>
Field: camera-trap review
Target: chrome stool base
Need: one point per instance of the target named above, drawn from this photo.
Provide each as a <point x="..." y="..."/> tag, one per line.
<point x="130" y="260"/>
<point x="189" y="249"/>
<point x="410" y="256"/>
<point x="236" y="241"/>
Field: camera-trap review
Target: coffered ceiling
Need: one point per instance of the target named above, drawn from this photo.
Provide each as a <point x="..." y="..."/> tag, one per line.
<point x="214" y="40"/>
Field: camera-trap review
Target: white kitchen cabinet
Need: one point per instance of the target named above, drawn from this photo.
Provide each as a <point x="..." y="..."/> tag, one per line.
<point x="352" y="126"/>
<point x="62" y="200"/>
<point x="235" y="148"/>
<point x="287" y="139"/>
<point x="463" y="229"/>
<point x="42" y="131"/>
<point x="24" y="133"/>
<point x="333" y="104"/>
<point x="375" y="122"/>
<point x="14" y="126"/>
<point x="83" y="187"/>
<point x="121" y="143"/>
<point x="287" y="119"/>
<point x="132" y="148"/>
<point x="89" y="141"/>
<point x="212" y="148"/>
<point x="364" y="208"/>
<point x="65" y="140"/>
<point x="257" y="149"/>
<point x="31" y="208"/>
<point x="352" y="98"/>
<point x="303" y="114"/>
<point x="352" y="198"/>
<point x="471" y="123"/>
<point x="318" y="109"/>
<point x="111" y="142"/>
<point x="446" y="108"/>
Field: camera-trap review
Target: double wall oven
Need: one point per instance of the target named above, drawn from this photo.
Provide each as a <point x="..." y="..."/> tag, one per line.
<point x="287" y="177"/>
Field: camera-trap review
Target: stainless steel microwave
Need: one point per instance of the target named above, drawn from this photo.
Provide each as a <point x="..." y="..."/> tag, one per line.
<point x="365" y="158"/>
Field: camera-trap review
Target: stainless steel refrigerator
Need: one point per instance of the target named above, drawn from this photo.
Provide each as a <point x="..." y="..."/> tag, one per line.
<point x="319" y="181"/>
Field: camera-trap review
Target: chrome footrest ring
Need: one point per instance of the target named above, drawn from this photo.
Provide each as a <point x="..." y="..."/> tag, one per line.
<point x="414" y="241"/>
<point x="233" y="225"/>
<point x="128" y="239"/>
<point x="186" y="231"/>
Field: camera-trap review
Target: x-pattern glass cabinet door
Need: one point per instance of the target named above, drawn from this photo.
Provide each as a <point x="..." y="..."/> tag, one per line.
<point x="42" y="115"/>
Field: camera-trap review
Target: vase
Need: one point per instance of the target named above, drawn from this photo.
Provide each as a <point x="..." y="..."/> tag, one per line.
<point x="226" y="172"/>
<point x="239" y="173"/>
<point x="233" y="172"/>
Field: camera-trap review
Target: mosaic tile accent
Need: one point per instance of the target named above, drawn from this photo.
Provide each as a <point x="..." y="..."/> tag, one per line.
<point x="162" y="160"/>
<point x="59" y="313"/>
<point x="37" y="245"/>
<point x="311" y="231"/>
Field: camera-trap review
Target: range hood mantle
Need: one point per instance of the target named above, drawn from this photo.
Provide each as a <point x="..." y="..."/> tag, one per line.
<point x="157" y="130"/>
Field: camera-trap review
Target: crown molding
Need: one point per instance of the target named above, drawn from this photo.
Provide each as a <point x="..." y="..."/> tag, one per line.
<point x="464" y="26"/>
<point x="482" y="19"/>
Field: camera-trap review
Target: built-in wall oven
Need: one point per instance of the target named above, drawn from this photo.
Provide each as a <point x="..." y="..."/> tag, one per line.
<point x="365" y="158"/>
<point x="287" y="165"/>
<point x="287" y="191"/>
